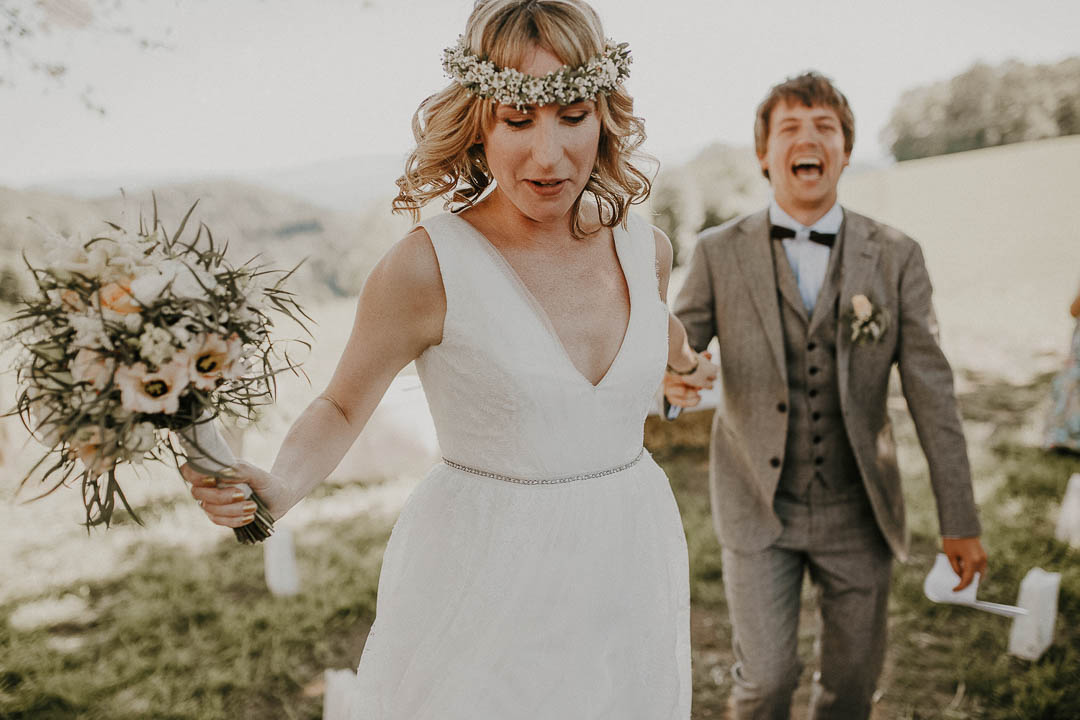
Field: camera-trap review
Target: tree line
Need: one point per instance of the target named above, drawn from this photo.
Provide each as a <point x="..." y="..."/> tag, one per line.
<point x="986" y="106"/>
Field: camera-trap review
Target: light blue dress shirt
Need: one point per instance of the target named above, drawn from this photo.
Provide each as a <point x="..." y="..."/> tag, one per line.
<point x="809" y="260"/>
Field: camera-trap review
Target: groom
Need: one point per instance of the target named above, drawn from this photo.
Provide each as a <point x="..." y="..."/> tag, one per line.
<point x="803" y="473"/>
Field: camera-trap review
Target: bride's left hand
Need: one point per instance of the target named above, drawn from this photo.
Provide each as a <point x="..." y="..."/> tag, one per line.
<point x="225" y="504"/>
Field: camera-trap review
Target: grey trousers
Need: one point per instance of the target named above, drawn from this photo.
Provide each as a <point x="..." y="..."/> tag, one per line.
<point x="850" y="566"/>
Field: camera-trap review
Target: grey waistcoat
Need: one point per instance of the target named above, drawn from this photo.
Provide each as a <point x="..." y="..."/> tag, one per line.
<point x="818" y="451"/>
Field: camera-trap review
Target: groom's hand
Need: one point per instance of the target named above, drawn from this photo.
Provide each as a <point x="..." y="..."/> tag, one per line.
<point x="967" y="557"/>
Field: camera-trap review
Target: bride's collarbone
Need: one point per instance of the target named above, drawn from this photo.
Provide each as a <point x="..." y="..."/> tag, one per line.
<point x="578" y="284"/>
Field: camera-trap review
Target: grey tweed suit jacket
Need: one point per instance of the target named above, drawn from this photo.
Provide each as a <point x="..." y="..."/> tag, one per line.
<point x="730" y="292"/>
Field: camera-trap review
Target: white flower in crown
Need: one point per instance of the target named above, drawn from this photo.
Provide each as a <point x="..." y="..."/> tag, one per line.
<point x="600" y="75"/>
<point x="868" y="321"/>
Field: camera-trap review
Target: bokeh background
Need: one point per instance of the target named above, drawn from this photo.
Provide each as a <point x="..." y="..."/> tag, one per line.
<point x="289" y="121"/>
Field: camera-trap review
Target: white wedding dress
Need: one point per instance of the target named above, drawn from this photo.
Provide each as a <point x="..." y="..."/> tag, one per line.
<point x="529" y="592"/>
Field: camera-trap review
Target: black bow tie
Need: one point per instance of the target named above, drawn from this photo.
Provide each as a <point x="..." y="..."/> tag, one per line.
<point x="779" y="232"/>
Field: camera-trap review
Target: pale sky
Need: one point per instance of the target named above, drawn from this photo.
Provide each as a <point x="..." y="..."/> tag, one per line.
<point x="249" y="84"/>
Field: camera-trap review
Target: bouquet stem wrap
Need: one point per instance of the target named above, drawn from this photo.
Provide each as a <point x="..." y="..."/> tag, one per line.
<point x="208" y="453"/>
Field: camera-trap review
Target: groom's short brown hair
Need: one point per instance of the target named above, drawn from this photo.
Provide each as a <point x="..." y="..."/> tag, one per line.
<point x="811" y="88"/>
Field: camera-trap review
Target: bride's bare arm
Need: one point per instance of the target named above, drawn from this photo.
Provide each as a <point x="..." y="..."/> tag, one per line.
<point x="399" y="314"/>
<point x="680" y="355"/>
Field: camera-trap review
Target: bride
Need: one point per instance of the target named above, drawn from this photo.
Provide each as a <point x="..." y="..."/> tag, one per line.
<point x="540" y="571"/>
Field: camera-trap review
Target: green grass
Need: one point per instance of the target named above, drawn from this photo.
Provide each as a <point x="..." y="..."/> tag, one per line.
<point x="187" y="635"/>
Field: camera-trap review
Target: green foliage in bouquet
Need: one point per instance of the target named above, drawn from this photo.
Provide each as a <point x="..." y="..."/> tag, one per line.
<point x="130" y="335"/>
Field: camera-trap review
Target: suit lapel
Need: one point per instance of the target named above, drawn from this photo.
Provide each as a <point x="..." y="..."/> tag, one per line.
<point x="859" y="258"/>
<point x="754" y="256"/>
<point x="785" y="278"/>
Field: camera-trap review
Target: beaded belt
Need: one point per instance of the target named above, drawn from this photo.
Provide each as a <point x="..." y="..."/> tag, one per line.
<point x="545" y="481"/>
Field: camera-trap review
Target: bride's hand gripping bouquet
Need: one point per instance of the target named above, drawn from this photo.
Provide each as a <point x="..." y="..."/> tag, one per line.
<point x="131" y="335"/>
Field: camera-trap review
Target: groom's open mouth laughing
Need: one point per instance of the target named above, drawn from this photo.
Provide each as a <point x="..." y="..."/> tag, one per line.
<point x="807" y="167"/>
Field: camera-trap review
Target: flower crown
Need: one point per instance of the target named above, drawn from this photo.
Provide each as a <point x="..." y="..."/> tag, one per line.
<point x="600" y="75"/>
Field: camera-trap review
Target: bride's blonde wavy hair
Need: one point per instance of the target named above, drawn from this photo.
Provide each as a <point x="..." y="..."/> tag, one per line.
<point x="449" y="159"/>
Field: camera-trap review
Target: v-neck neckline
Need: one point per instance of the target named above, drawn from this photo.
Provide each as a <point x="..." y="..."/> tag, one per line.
<point x="542" y="315"/>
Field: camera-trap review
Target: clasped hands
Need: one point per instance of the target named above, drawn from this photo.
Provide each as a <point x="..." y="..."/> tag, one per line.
<point x="685" y="390"/>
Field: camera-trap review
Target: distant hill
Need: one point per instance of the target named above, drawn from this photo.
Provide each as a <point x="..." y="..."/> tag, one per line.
<point x="345" y="185"/>
<point x="340" y="249"/>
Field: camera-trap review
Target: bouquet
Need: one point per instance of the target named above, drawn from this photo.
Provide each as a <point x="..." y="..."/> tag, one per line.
<point x="135" y="334"/>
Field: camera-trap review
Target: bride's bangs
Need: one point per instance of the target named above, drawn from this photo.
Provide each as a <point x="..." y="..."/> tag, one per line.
<point x="504" y="32"/>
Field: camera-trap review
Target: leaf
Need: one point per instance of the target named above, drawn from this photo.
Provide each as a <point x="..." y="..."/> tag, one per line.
<point x="114" y="487"/>
<point x="183" y="222"/>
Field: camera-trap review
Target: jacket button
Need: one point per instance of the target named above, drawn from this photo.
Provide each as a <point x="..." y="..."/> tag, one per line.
<point x="782" y="407"/>
<point x="817" y="439"/>
<point x="811" y="347"/>
<point x="815" y="415"/>
<point x="813" y="371"/>
<point x="819" y="461"/>
<point x="812" y="393"/>
<point x="775" y="462"/>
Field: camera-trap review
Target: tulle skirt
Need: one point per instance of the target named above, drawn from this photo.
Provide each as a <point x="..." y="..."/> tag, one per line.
<point x="500" y="601"/>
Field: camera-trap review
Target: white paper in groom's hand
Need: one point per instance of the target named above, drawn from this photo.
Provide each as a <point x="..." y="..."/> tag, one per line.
<point x="941" y="580"/>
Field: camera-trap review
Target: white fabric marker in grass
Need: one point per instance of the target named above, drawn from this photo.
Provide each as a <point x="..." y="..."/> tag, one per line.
<point x="1032" y="634"/>
<point x="1068" y="524"/>
<point x="279" y="559"/>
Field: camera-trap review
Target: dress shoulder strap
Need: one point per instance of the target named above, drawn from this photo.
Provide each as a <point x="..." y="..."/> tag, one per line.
<point x="457" y="251"/>
<point x="640" y="248"/>
<point x="466" y="269"/>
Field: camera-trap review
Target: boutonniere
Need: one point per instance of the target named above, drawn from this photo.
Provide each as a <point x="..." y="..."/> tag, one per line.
<point x="868" y="321"/>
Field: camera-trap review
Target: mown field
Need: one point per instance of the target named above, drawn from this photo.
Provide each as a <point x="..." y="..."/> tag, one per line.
<point x="188" y="631"/>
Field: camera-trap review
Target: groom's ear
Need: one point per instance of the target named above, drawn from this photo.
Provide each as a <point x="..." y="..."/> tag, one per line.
<point x="763" y="161"/>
